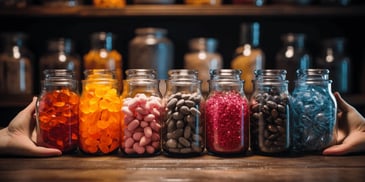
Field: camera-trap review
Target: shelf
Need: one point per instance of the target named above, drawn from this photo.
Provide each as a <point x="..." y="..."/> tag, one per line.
<point x="188" y="10"/>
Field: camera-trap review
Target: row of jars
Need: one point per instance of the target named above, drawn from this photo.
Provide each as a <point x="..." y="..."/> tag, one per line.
<point x="142" y="122"/>
<point x="123" y="3"/>
<point x="151" y="48"/>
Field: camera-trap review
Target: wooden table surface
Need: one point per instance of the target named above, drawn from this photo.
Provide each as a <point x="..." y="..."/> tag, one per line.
<point x="81" y="168"/>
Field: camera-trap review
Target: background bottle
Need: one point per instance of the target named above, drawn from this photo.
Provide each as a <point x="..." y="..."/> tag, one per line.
<point x="151" y="49"/>
<point x="16" y="67"/>
<point x="102" y="55"/>
<point x="60" y="55"/>
<point x="248" y="55"/>
<point x="203" y="58"/>
<point x="293" y="55"/>
<point x="333" y="57"/>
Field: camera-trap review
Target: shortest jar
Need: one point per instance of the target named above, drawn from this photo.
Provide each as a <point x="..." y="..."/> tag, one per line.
<point x="183" y="132"/>
<point x="57" y="112"/>
<point x="269" y="113"/>
<point x="141" y="114"/>
<point x="226" y="114"/>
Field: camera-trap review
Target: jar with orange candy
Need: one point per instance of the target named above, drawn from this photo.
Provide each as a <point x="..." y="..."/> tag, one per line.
<point x="99" y="113"/>
<point x="57" y="111"/>
<point x="141" y="114"/>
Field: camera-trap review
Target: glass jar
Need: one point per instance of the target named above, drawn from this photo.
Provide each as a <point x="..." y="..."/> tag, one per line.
<point x="141" y="114"/>
<point x="100" y="115"/>
<point x="60" y="55"/>
<point x="16" y="67"/>
<point x="314" y="111"/>
<point x="109" y="3"/>
<point x="293" y="55"/>
<point x="153" y="1"/>
<point x="151" y="49"/>
<point x="57" y="111"/>
<point x="203" y="58"/>
<point x="183" y="132"/>
<point x="203" y="2"/>
<point x="102" y="55"/>
<point x="249" y="56"/>
<point x="226" y="114"/>
<point x="333" y="57"/>
<point x="269" y="113"/>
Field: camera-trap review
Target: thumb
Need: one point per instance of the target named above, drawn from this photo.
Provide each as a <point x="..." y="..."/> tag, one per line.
<point x="341" y="103"/>
<point x="38" y="151"/>
<point x="340" y="149"/>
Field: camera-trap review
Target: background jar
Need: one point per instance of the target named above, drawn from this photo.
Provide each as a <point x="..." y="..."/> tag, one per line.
<point x="151" y="49"/>
<point x="57" y="111"/>
<point x="333" y="57"/>
<point x="249" y="56"/>
<point x="183" y="132"/>
<point x="100" y="114"/>
<point x="16" y="67"/>
<point x="269" y="113"/>
<point x="314" y="111"/>
<point x="203" y="58"/>
<point x="226" y="114"/>
<point x="103" y="55"/>
<point x="60" y="55"/>
<point x="141" y="114"/>
<point x="293" y="55"/>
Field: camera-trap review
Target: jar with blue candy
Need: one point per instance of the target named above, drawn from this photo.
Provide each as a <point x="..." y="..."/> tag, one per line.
<point x="269" y="113"/>
<point x="313" y="111"/>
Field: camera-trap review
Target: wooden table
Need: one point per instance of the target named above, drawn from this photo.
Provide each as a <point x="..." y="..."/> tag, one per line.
<point x="81" y="168"/>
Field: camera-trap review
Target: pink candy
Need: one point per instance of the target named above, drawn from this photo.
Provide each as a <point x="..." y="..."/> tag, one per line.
<point x="141" y="125"/>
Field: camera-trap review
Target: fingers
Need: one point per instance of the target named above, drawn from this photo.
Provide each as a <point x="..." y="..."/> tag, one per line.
<point x="341" y="149"/>
<point x="355" y="142"/>
<point x="341" y="103"/>
<point x="31" y="107"/>
<point x="44" y="152"/>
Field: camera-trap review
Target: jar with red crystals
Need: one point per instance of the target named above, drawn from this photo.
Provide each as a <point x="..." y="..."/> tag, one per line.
<point x="226" y="114"/>
<point x="57" y="112"/>
<point x="141" y="114"/>
<point x="269" y="113"/>
<point x="183" y="132"/>
<point x="99" y="113"/>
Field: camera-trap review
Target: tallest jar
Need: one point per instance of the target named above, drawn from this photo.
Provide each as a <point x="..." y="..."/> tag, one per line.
<point x="151" y="49"/>
<point x="103" y="55"/>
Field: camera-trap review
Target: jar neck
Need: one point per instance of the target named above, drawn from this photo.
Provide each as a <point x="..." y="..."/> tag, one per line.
<point x="250" y="34"/>
<point x="60" y="45"/>
<point x="150" y="31"/>
<point x="100" y="74"/>
<point x="270" y="74"/>
<point x="141" y="74"/>
<point x="272" y="86"/>
<point x="226" y="85"/>
<point x="226" y="74"/>
<point x="203" y="44"/>
<point x="313" y="74"/>
<point x="59" y="78"/>
<point x="183" y="74"/>
<point x="294" y="40"/>
<point x="150" y="87"/>
<point x="102" y="40"/>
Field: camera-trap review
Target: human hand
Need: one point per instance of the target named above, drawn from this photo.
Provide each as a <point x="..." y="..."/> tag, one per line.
<point x="16" y="139"/>
<point x="350" y="132"/>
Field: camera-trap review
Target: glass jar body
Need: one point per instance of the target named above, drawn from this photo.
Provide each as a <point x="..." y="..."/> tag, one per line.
<point x="183" y="132"/>
<point x="16" y="66"/>
<point x="203" y="2"/>
<point x="100" y="114"/>
<point x="103" y="55"/>
<point x="314" y="111"/>
<point x="57" y="111"/>
<point x="151" y="49"/>
<point x="226" y="115"/>
<point x="270" y="114"/>
<point x="141" y="114"/>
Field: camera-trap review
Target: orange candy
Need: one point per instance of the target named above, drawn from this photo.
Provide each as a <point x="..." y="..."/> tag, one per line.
<point x="99" y="118"/>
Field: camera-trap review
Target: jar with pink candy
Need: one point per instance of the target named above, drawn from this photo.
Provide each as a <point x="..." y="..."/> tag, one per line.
<point x="141" y="114"/>
<point x="226" y="114"/>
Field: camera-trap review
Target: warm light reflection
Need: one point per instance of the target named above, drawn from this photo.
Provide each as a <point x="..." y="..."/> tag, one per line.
<point x="289" y="53"/>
